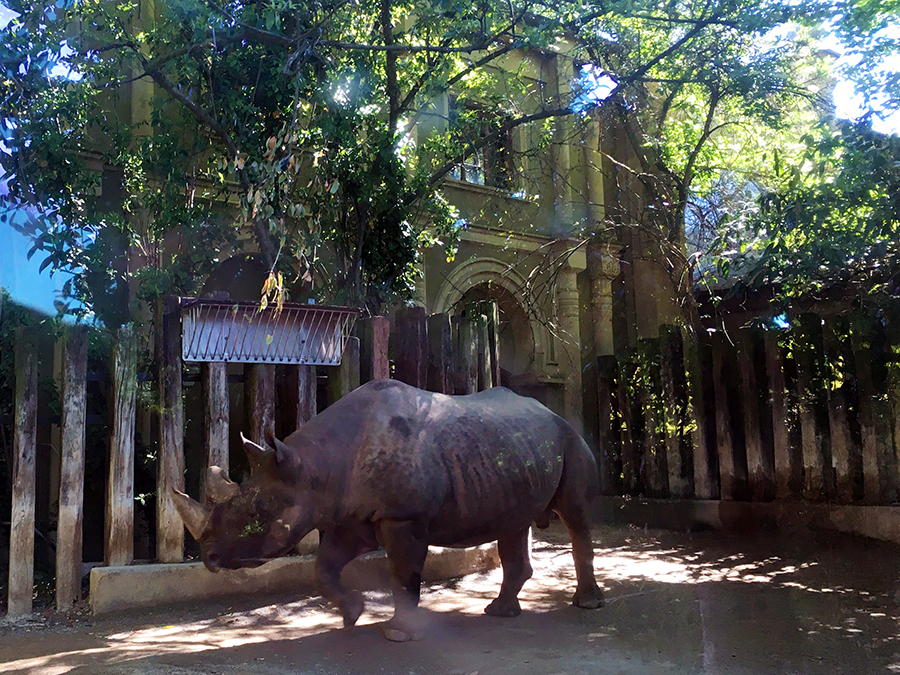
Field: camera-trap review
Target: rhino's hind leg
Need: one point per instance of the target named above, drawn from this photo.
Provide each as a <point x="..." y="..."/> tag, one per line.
<point x="406" y="546"/>
<point x="588" y="594"/>
<point x="515" y="557"/>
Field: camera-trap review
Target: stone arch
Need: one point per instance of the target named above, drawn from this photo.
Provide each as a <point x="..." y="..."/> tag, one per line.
<point x="492" y="279"/>
<point x="477" y="273"/>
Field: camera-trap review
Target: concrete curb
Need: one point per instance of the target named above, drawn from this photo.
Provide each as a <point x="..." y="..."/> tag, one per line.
<point x="131" y="586"/>
<point x="876" y="522"/>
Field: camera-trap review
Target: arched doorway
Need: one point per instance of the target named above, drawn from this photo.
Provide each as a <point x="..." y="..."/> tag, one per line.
<point x="516" y="341"/>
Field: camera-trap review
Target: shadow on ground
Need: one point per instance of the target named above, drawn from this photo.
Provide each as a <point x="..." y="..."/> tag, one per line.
<point x="705" y="603"/>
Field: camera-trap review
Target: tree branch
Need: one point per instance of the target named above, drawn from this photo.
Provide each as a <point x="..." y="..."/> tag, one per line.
<point x="390" y="66"/>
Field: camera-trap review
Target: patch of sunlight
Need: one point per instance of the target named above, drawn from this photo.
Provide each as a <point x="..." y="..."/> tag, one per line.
<point x="229" y="630"/>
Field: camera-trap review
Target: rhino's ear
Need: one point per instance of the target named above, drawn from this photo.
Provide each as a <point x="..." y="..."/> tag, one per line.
<point x="282" y="451"/>
<point x="193" y="513"/>
<point x="261" y="457"/>
<point x="218" y="487"/>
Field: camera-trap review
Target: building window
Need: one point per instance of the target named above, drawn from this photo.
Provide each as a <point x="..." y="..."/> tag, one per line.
<point x="490" y="164"/>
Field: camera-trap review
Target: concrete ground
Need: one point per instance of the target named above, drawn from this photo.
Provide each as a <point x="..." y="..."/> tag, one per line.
<point x="705" y="603"/>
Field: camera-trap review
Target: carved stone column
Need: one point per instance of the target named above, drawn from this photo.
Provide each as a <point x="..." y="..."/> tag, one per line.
<point x="602" y="268"/>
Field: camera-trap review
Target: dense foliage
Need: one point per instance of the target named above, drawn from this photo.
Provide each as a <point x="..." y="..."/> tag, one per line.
<point x="834" y="221"/>
<point x="147" y="141"/>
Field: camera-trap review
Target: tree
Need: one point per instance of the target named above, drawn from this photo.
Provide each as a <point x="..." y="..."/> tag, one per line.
<point x="299" y="117"/>
<point x="834" y="220"/>
<point x="825" y="222"/>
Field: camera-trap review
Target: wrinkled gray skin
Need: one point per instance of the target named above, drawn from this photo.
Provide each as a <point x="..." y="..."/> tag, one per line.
<point x="393" y="466"/>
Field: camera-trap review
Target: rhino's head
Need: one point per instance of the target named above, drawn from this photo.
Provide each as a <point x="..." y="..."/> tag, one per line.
<point x="245" y="525"/>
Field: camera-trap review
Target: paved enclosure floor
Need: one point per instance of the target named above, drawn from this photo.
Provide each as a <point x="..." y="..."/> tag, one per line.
<point x="706" y="603"/>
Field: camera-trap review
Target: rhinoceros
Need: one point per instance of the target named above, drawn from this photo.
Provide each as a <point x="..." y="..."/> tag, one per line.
<point x="393" y="466"/>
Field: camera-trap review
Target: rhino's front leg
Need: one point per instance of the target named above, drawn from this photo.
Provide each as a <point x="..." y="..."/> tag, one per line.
<point x="406" y="546"/>
<point x="337" y="547"/>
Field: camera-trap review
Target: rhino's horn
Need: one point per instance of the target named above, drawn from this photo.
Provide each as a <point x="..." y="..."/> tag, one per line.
<point x="218" y="487"/>
<point x="193" y="513"/>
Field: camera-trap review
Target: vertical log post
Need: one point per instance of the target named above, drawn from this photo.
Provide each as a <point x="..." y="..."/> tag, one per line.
<point x="703" y="471"/>
<point x="466" y="344"/>
<point x="838" y="420"/>
<point x="119" y="548"/>
<point x="724" y="437"/>
<point x="483" y="353"/>
<point x="813" y="466"/>
<point x="440" y="354"/>
<point x="71" y="481"/>
<point x="675" y="408"/>
<point x="777" y="399"/>
<point x="760" y="469"/>
<point x="345" y="378"/>
<point x="259" y="390"/>
<point x="606" y="435"/>
<point x="491" y="311"/>
<point x="300" y="382"/>
<point x="631" y="465"/>
<point x="872" y="435"/>
<point x="893" y="391"/>
<point x="170" y="463"/>
<point x="374" y="336"/>
<point x="215" y="418"/>
<point x="654" y="421"/>
<point x="411" y="347"/>
<point x="21" y="538"/>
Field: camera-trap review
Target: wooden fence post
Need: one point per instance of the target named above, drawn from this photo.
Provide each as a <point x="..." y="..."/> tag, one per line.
<point x="301" y="387"/>
<point x="760" y="467"/>
<point x="374" y="336"/>
<point x="466" y="360"/>
<point x="215" y="418"/>
<point x="838" y="421"/>
<point x="654" y="438"/>
<point x="703" y="470"/>
<point x="872" y="427"/>
<point x="119" y="548"/>
<point x="411" y="347"/>
<point x="893" y="392"/>
<point x="675" y="405"/>
<point x="259" y="390"/>
<point x="170" y="463"/>
<point x="807" y="370"/>
<point x="491" y="311"/>
<point x="609" y="440"/>
<point x="631" y="460"/>
<point x="724" y="436"/>
<point x="21" y="537"/>
<point x="777" y="399"/>
<point x="345" y="378"/>
<point x="440" y="354"/>
<point x="71" y="481"/>
<point x="483" y="353"/>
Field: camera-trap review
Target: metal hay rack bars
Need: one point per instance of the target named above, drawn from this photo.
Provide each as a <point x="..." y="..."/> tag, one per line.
<point x="238" y="332"/>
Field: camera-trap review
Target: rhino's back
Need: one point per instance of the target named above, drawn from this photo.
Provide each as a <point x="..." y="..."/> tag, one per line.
<point x="469" y="466"/>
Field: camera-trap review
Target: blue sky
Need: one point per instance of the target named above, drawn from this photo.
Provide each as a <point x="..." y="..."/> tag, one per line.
<point x="21" y="277"/>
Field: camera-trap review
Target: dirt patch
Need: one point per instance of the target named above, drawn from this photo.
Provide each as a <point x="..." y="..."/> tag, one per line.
<point x="677" y="603"/>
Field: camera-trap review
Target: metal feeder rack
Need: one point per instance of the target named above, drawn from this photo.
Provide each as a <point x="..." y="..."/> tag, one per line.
<point x="239" y="332"/>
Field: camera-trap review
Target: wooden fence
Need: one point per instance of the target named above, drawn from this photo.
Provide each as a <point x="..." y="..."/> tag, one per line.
<point x="810" y="410"/>
<point x="456" y="354"/>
